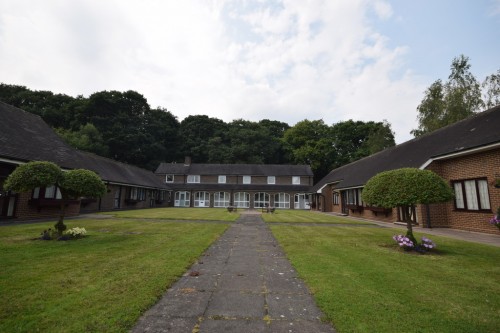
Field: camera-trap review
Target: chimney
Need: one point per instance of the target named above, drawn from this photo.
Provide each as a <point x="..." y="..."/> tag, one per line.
<point x="187" y="160"/>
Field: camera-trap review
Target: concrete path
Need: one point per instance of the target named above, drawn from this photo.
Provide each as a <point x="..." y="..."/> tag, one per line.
<point x="243" y="283"/>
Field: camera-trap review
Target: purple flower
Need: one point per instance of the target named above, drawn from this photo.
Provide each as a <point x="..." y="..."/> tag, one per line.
<point x="495" y="221"/>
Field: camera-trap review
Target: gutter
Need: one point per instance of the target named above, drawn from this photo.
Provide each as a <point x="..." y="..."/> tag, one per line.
<point x="460" y="153"/>
<point x="326" y="184"/>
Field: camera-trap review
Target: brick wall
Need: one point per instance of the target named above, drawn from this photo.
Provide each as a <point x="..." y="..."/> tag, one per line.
<point x="483" y="164"/>
<point x="25" y="211"/>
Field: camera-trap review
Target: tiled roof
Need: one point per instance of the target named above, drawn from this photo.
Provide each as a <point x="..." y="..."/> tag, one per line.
<point x="118" y="172"/>
<point x="26" y="137"/>
<point x="482" y="129"/>
<point x="234" y="169"/>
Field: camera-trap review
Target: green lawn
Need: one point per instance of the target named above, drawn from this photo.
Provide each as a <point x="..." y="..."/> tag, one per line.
<point x="364" y="283"/>
<point x="171" y="213"/>
<point x="306" y="216"/>
<point x="101" y="283"/>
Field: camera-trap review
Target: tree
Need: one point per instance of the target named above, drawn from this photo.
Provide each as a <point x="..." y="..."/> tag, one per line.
<point x="72" y="184"/>
<point x="462" y="92"/>
<point x="353" y="140"/>
<point x="492" y="90"/>
<point x="445" y="104"/>
<point x="311" y="143"/>
<point x="160" y="138"/>
<point x="87" y="138"/>
<point x="195" y="133"/>
<point x="431" y="110"/>
<point x="406" y="188"/>
<point x="276" y="151"/>
<point x="119" y="117"/>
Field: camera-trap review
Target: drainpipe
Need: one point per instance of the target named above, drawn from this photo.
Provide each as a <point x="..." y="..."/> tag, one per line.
<point x="427" y="208"/>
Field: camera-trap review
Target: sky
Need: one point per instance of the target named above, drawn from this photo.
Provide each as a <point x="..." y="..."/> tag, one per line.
<point x="282" y="60"/>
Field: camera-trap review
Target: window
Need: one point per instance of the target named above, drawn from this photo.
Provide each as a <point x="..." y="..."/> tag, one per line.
<point x="242" y="199"/>
<point x="247" y="179"/>
<point x="202" y="199"/>
<point x="471" y="194"/>
<point x="222" y="179"/>
<point x="301" y="201"/>
<point x="117" y="198"/>
<point x="49" y="192"/>
<point x="138" y="194"/>
<point x="221" y="199"/>
<point x="193" y="178"/>
<point x="282" y="200"/>
<point x="161" y="195"/>
<point x="336" y="198"/>
<point x="182" y="199"/>
<point x="353" y="196"/>
<point x="169" y="178"/>
<point x="261" y="199"/>
<point x="296" y="180"/>
<point x="271" y="180"/>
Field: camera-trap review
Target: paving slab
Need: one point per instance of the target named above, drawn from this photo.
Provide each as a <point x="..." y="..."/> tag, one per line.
<point x="242" y="283"/>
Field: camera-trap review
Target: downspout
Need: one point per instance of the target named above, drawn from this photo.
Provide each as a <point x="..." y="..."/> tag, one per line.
<point x="427" y="208"/>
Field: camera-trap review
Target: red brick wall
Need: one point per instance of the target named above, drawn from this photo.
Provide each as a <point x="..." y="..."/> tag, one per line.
<point x="483" y="164"/>
<point x="24" y="211"/>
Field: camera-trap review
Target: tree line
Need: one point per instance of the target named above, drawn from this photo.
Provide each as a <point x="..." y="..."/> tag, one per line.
<point x="123" y="126"/>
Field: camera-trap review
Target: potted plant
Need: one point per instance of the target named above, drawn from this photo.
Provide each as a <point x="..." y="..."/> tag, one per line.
<point x="496" y="219"/>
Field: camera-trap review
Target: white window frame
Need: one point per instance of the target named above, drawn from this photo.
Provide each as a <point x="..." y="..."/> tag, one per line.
<point x="172" y="177"/>
<point x="185" y="202"/>
<point x="222" y="199"/>
<point x="221" y="179"/>
<point x="261" y="199"/>
<point x="193" y="179"/>
<point x="336" y="198"/>
<point x="242" y="200"/>
<point x="301" y="201"/>
<point x="49" y="192"/>
<point x="201" y="199"/>
<point x="282" y="200"/>
<point x="271" y="180"/>
<point x="295" y="180"/>
<point x="247" y="179"/>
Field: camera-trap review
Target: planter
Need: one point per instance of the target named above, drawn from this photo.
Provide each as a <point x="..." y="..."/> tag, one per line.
<point x="41" y="203"/>
<point x="85" y="202"/>
<point x="355" y="208"/>
<point x="377" y="210"/>
<point x="131" y="201"/>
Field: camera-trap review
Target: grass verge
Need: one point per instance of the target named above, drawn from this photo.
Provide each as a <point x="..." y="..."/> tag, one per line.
<point x="364" y="283"/>
<point x="171" y="213"/>
<point x="306" y="216"/>
<point x="100" y="283"/>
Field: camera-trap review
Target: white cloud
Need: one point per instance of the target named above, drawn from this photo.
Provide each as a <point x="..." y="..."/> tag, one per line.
<point x="495" y="7"/>
<point x="286" y="60"/>
<point x="383" y="9"/>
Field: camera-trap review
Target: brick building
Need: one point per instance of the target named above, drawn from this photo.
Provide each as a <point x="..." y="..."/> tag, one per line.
<point x="239" y="185"/>
<point x="25" y="137"/>
<point x="466" y="154"/>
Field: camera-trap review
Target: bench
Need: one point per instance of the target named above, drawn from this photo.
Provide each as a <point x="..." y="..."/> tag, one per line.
<point x="268" y="209"/>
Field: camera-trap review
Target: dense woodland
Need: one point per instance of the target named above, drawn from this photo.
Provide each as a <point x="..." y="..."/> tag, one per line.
<point x="123" y="126"/>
